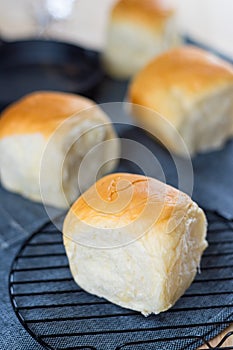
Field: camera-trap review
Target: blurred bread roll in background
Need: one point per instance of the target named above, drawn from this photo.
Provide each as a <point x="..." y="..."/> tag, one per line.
<point x="137" y="31"/>
<point x="43" y="139"/>
<point x="135" y="241"/>
<point x="193" y="90"/>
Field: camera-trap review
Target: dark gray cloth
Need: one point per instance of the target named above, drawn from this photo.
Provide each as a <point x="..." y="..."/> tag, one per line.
<point x="19" y="217"/>
<point x="213" y="187"/>
<point x="12" y="335"/>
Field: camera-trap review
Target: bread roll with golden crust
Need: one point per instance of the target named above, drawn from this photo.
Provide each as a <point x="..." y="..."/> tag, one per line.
<point x="41" y="146"/>
<point x="138" y="30"/>
<point x="135" y="241"/>
<point x="193" y="90"/>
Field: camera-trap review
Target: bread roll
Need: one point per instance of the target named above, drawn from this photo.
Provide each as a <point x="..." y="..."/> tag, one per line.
<point x="138" y="30"/>
<point x="135" y="241"/>
<point x="41" y="146"/>
<point x="193" y="90"/>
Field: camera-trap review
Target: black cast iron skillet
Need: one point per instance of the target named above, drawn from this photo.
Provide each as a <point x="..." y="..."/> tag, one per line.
<point x="31" y="65"/>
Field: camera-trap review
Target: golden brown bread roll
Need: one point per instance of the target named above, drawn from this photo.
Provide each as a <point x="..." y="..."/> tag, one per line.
<point x="193" y="90"/>
<point x="41" y="146"/>
<point x="138" y="30"/>
<point x="135" y="241"/>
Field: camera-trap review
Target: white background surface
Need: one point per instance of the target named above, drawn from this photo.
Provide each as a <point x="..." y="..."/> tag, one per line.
<point x="209" y="21"/>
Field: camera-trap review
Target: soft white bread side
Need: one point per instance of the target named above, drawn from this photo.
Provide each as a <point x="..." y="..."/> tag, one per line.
<point x="193" y="90"/>
<point x="135" y="241"/>
<point x="137" y="31"/>
<point x="43" y="139"/>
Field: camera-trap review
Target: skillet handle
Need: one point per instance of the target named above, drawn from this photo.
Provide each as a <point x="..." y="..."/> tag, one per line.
<point x="2" y="42"/>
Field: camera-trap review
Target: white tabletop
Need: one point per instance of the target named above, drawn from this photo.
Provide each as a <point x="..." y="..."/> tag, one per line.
<point x="208" y="21"/>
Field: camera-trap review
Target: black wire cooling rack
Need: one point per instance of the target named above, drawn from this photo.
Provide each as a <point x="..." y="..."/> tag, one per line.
<point x="61" y="316"/>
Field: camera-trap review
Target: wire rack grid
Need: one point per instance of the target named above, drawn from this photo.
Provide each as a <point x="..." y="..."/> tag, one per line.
<point x="61" y="316"/>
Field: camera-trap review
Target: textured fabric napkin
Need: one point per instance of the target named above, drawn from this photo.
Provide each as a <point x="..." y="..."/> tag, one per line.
<point x="19" y="217"/>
